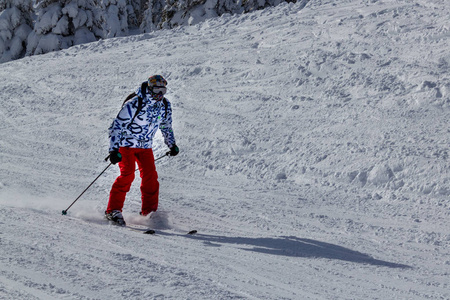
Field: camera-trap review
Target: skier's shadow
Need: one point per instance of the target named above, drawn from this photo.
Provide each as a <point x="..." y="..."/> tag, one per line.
<point x="296" y="247"/>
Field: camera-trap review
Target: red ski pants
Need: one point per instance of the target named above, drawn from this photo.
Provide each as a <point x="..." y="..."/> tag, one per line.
<point x="149" y="182"/>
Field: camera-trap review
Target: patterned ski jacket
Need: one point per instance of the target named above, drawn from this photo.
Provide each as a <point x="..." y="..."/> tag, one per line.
<point x="140" y="133"/>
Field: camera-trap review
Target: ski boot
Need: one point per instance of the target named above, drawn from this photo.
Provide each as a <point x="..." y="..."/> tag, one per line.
<point x="116" y="217"/>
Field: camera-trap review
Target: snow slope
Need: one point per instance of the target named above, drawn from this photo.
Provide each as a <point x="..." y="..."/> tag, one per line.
<point x="314" y="160"/>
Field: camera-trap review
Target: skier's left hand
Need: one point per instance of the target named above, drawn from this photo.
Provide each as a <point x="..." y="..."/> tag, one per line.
<point x="174" y="150"/>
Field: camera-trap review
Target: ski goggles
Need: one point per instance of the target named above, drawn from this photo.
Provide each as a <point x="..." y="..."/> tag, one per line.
<point x="159" y="90"/>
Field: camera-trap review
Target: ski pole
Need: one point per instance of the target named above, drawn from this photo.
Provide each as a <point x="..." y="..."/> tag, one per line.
<point x="64" y="212"/>
<point x="167" y="154"/>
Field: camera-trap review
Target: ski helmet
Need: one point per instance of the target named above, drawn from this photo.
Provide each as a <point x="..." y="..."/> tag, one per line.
<point x="156" y="81"/>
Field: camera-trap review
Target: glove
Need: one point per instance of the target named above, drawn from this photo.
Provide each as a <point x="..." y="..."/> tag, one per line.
<point x="174" y="150"/>
<point x="115" y="157"/>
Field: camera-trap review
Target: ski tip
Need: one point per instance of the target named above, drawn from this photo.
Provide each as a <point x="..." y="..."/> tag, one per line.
<point x="151" y="231"/>
<point x="192" y="232"/>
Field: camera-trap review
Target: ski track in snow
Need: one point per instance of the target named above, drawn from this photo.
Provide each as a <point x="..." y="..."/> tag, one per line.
<point x="314" y="160"/>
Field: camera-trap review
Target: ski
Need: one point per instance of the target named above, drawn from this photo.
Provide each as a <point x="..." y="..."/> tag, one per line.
<point x="140" y="229"/>
<point x="146" y="230"/>
<point x="152" y="231"/>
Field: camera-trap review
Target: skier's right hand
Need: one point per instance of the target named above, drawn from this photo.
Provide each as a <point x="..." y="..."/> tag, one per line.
<point x="115" y="157"/>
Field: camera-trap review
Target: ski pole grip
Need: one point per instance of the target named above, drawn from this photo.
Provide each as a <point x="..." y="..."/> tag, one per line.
<point x="106" y="159"/>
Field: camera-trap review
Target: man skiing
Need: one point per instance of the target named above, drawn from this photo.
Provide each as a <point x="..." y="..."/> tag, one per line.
<point x="131" y="137"/>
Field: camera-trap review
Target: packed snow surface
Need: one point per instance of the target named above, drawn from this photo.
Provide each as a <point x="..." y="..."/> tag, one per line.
<point x="314" y="160"/>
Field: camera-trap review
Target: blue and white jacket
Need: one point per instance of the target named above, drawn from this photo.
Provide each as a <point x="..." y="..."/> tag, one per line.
<point x="141" y="132"/>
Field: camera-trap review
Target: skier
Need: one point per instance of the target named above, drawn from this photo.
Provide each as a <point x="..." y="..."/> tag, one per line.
<point x="131" y="136"/>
